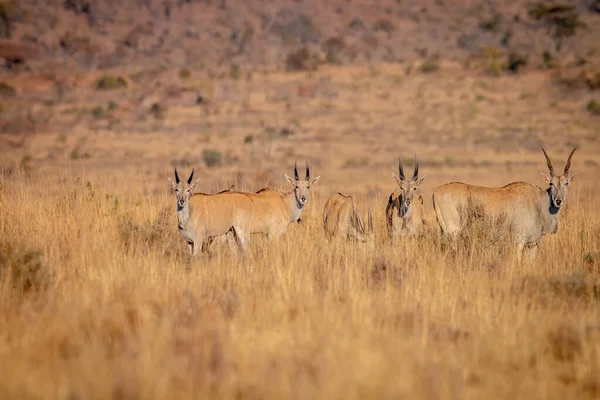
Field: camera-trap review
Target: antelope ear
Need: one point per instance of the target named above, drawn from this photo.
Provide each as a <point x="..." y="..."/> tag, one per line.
<point x="290" y="180"/>
<point x="421" y="197"/>
<point x="172" y="183"/>
<point x="314" y="181"/>
<point x="398" y="180"/>
<point x="545" y="177"/>
<point x="421" y="180"/>
<point x="193" y="184"/>
<point x="572" y="177"/>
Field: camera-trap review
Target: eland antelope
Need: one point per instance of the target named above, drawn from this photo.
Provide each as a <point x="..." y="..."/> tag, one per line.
<point x="404" y="216"/>
<point x="295" y="199"/>
<point x="209" y="240"/>
<point x="201" y="216"/>
<point x="341" y="218"/>
<point x="530" y="212"/>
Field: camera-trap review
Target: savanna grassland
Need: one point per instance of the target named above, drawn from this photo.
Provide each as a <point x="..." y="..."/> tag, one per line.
<point x="98" y="298"/>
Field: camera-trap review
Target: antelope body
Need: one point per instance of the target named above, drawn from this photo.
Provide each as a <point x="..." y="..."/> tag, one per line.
<point x="209" y="240"/>
<point x="404" y="216"/>
<point x="202" y="216"/>
<point x="530" y="212"/>
<point x="341" y="218"/>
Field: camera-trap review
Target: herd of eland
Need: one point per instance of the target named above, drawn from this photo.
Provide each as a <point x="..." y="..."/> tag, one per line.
<point x="528" y="211"/>
<point x="203" y="216"/>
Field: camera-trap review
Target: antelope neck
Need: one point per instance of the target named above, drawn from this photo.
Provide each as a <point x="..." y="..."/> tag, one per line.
<point x="294" y="206"/>
<point x="403" y="211"/>
<point x="549" y="212"/>
<point x="183" y="215"/>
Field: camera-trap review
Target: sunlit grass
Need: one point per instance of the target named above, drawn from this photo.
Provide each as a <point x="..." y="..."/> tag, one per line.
<point x="116" y="310"/>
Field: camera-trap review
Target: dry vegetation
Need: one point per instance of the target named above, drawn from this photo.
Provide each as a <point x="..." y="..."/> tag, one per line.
<point x="98" y="300"/>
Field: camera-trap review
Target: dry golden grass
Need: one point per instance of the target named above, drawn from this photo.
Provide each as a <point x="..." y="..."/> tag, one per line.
<point x="97" y="300"/>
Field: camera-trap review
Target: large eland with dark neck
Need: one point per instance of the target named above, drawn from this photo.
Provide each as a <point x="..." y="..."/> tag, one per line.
<point x="528" y="211"/>
<point x="404" y="215"/>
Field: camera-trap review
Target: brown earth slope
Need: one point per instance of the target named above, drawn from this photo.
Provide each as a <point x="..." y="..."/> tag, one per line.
<point x="108" y="33"/>
<point x="225" y="85"/>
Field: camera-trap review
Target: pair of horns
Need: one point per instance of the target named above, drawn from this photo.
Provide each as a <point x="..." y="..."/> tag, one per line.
<point x="551" y="168"/>
<point x="296" y="176"/>
<point x="415" y="173"/>
<point x="189" y="181"/>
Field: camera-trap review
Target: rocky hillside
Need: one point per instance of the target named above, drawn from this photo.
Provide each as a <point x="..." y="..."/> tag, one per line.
<point x="99" y="34"/>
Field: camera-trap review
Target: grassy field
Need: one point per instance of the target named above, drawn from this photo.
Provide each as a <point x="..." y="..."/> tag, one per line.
<point x="98" y="300"/>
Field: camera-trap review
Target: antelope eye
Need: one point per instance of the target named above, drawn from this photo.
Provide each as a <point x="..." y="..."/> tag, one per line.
<point x="551" y="184"/>
<point x="414" y="188"/>
<point x="296" y="187"/>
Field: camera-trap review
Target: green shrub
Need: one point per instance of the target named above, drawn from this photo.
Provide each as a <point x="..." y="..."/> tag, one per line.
<point x="333" y="48"/>
<point x="356" y="162"/>
<point x="515" y="62"/>
<point x="158" y="111"/>
<point x="8" y="14"/>
<point x="299" y="29"/>
<point x="7" y="90"/>
<point x="246" y="38"/>
<point x="301" y="60"/>
<point x="234" y="72"/>
<point x="429" y="66"/>
<point x="592" y="80"/>
<point x="493" y="61"/>
<point x="76" y="155"/>
<point x="98" y="112"/>
<point x="397" y="79"/>
<point x="593" y="106"/>
<point x="286" y="132"/>
<point x="111" y="82"/>
<point x="492" y="24"/>
<point x="384" y="25"/>
<point x="26" y="159"/>
<point x="212" y="158"/>
<point x="562" y="20"/>
<point x="112" y="105"/>
<point x="549" y="60"/>
<point x="23" y="268"/>
<point x="185" y="73"/>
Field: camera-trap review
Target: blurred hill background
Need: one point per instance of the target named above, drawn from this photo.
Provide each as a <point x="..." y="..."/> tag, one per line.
<point x="262" y="82"/>
<point x="69" y="34"/>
